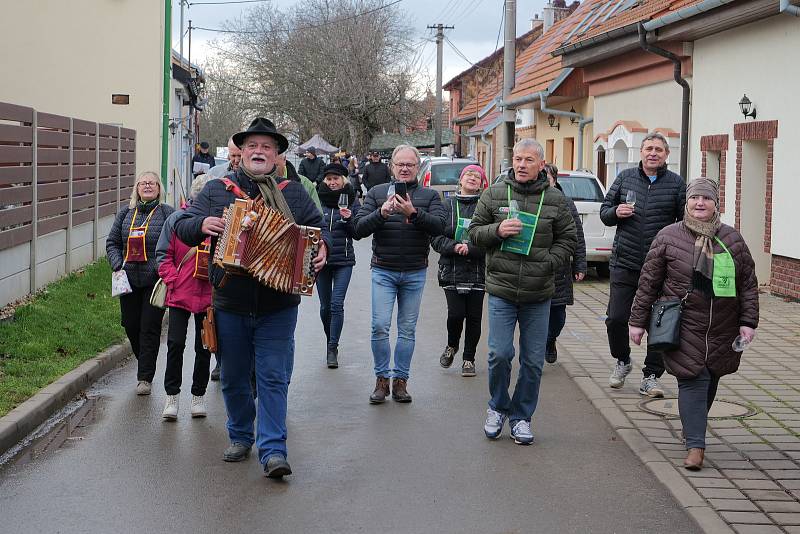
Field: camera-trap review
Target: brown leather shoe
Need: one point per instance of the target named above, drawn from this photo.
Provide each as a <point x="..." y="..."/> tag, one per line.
<point x="399" y="391"/>
<point x="381" y="391"/>
<point x="694" y="459"/>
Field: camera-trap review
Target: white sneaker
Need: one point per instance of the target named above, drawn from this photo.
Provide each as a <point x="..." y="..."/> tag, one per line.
<point x="651" y="387"/>
<point x="621" y="371"/>
<point x="198" y="406"/>
<point x="170" y="412"/>
<point x="143" y="387"/>
<point x="494" y="424"/>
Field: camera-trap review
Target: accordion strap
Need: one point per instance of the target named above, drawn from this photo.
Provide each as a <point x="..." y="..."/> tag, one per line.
<point x="283" y="185"/>
<point x="230" y="186"/>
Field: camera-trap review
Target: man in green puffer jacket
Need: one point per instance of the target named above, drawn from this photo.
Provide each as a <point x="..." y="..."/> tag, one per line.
<point x="523" y="252"/>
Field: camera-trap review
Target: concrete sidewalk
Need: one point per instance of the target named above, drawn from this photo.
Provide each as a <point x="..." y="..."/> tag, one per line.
<point x="751" y="482"/>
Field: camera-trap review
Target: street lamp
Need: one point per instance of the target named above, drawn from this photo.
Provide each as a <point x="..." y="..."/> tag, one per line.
<point x="747" y="107"/>
<point x="551" y="120"/>
<point x="572" y="120"/>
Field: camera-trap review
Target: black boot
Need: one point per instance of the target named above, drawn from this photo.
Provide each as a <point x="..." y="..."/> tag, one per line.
<point x="550" y="352"/>
<point x="333" y="357"/>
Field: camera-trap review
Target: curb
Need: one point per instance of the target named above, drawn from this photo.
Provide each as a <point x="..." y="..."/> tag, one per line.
<point x="709" y="521"/>
<point x="24" y="419"/>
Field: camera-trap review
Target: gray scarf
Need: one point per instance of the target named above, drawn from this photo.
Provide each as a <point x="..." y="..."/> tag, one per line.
<point x="273" y="197"/>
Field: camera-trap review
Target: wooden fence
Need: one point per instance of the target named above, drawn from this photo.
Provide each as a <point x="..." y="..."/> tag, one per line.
<point x="62" y="179"/>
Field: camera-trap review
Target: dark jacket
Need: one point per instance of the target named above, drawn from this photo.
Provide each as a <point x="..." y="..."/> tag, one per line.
<point x="657" y="205"/>
<point x="375" y="174"/>
<point x="515" y="277"/>
<point x="399" y="244"/>
<point x="708" y="324"/>
<point x="563" y="295"/>
<point x="312" y="169"/>
<point x="455" y="269"/>
<point x="140" y="274"/>
<point x="204" y="158"/>
<point x="243" y="294"/>
<point x="342" y="233"/>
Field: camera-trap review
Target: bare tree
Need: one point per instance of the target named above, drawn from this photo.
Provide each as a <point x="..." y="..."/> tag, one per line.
<point x="228" y="107"/>
<point x="344" y="68"/>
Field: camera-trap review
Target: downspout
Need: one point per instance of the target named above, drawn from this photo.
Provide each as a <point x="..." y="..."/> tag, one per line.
<point x="581" y="125"/>
<point x="165" y="96"/>
<point x="786" y="7"/>
<point x="686" y="90"/>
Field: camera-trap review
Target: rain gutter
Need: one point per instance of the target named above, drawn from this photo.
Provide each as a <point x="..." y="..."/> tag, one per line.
<point x="686" y="92"/>
<point x="786" y="7"/>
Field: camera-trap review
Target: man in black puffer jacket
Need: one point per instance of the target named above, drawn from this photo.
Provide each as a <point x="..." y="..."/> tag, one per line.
<point x="401" y="229"/>
<point x="253" y="322"/>
<point x="640" y="202"/>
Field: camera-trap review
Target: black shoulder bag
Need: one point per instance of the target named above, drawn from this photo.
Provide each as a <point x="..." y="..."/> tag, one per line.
<point x="664" y="334"/>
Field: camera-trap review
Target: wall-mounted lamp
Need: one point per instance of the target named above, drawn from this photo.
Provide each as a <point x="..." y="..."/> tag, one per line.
<point x="747" y="107"/>
<point x="572" y="120"/>
<point x="551" y="120"/>
<point x="173" y="127"/>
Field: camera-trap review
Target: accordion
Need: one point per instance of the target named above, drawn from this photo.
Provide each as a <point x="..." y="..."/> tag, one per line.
<point x="259" y="241"/>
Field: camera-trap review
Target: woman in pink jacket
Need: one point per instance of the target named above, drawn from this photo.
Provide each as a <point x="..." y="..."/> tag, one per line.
<point x="184" y="270"/>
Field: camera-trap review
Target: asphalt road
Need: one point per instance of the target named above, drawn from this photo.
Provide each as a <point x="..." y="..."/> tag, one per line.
<point x="417" y="468"/>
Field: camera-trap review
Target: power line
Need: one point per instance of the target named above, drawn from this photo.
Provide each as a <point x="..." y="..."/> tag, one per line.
<point x="308" y="27"/>
<point x="226" y="2"/>
<point x="500" y="29"/>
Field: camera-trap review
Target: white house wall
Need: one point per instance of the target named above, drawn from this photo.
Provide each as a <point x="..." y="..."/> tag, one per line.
<point x="760" y="60"/>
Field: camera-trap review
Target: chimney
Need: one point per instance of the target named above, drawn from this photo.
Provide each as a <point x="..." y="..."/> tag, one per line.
<point x="556" y="10"/>
<point x="548" y="16"/>
<point x="536" y="22"/>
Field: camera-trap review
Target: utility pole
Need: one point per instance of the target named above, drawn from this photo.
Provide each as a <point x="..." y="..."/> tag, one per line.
<point x="437" y="129"/>
<point x="506" y="140"/>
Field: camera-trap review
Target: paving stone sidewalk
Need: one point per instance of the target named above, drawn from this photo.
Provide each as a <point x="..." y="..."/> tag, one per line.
<point x="751" y="480"/>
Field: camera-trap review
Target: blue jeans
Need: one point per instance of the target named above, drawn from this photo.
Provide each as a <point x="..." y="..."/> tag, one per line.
<point x="533" y="319"/>
<point x="332" y="283"/>
<point x="268" y="341"/>
<point x="406" y="287"/>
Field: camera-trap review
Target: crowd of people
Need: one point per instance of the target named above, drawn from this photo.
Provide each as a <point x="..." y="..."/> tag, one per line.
<point x="520" y="240"/>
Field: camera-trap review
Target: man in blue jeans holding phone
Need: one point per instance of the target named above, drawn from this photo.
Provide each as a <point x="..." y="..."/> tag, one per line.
<point x="525" y="246"/>
<point x="402" y="217"/>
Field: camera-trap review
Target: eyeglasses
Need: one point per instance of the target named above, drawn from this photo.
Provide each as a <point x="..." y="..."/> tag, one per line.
<point x="148" y="184"/>
<point x="405" y="165"/>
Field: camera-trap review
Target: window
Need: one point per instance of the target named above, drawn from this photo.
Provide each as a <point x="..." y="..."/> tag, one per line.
<point x="548" y="151"/>
<point x="712" y="165"/>
<point x="568" y="157"/>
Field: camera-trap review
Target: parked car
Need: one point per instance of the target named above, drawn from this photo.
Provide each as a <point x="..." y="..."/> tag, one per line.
<point x="442" y="173"/>
<point x="220" y="161"/>
<point x="586" y="190"/>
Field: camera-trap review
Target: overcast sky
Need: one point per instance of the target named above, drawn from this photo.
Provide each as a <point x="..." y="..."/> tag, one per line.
<point x="476" y="27"/>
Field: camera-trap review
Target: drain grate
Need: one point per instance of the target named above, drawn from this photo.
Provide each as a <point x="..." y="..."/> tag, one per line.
<point x="668" y="407"/>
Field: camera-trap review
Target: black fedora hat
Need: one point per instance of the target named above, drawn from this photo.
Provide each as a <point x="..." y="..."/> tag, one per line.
<point x="262" y="126"/>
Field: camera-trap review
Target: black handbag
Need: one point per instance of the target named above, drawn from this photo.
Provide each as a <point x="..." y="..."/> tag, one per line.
<point x="664" y="334"/>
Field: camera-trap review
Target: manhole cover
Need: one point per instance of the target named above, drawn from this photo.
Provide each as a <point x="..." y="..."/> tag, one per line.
<point x="719" y="410"/>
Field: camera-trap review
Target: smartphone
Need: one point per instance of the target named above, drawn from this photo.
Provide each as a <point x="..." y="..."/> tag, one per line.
<point x="401" y="189"/>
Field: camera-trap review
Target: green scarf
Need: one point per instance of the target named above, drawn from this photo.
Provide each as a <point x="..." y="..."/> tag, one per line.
<point x="704" y="232"/>
<point x="273" y="197"/>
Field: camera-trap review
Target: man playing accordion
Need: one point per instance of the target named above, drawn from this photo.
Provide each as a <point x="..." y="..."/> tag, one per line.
<point x="254" y="323"/>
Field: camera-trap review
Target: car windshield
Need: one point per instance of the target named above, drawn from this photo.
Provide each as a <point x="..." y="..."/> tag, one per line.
<point x="581" y="189"/>
<point x="447" y="173"/>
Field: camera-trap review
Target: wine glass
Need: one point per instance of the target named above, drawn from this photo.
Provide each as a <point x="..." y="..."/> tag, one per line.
<point x="740" y="343"/>
<point x="513" y="209"/>
<point x="630" y="198"/>
<point x="344" y="201"/>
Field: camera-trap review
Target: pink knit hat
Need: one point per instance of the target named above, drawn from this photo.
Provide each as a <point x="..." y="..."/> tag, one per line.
<point x="479" y="170"/>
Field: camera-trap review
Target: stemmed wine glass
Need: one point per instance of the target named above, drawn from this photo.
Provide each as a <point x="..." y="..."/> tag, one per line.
<point x="630" y="198"/>
<point x="344" y="201"/>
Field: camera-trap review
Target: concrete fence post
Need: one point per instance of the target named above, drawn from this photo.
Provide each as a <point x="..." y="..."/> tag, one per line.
<point x="34" y="199"/>
<point x="68" y="259"/>
<point x="96" y="226"/>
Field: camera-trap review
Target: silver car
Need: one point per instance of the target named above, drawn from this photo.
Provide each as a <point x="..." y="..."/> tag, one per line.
<point x="586" y="190"/>
<point x="442" y="173"/>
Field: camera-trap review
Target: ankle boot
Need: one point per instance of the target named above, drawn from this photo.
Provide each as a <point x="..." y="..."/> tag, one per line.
<point x="333" y="357"/>
<point x="694" y="459"/>
<point x="381" y="391"/>
<point x="399" y="391"/>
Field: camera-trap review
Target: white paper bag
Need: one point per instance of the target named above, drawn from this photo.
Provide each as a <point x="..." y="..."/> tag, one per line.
<point x="120" y="284"/>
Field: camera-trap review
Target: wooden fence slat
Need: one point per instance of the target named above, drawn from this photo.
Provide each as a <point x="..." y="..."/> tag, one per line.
<point x="12" y="112"/>
<point x="53" y="138"/>
<point x="108" y="184"/>
<point x="81" y="172"/>
<point x="16" y="175"/>
<point x="83" y="156"/>
<point x="49" y="191"/>
<point x="82" y="202"/>
<point x="10" y="133"/>
<point x="82" y="187"/>
<point x="109" y="171"/>
<point x="84" y="127"/>
<point x="109" y="131"/>
<point x="16" y="195"/>
<point x="83" y="141"/>
<point x="16" y="154"/>
<point x="48" y="120"/>
<point x="53" y="173"/>
<point x="44" y="227"/>
<point x="16" y="236"/>
<point x="108" y="209"/>
<point x="49" y="156"/>
<point x="81" y="217"/>
<point x="108" y="143"/>
<point x="51" y="208"/>
<point x="107" y="196"/>
<point x="15" y="216"/>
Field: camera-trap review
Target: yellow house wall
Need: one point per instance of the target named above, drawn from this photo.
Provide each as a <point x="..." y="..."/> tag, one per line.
<point x="69" y="57"/>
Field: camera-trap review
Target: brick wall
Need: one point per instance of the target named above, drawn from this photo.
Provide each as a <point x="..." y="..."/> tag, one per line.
<point x="785" y="277"/>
